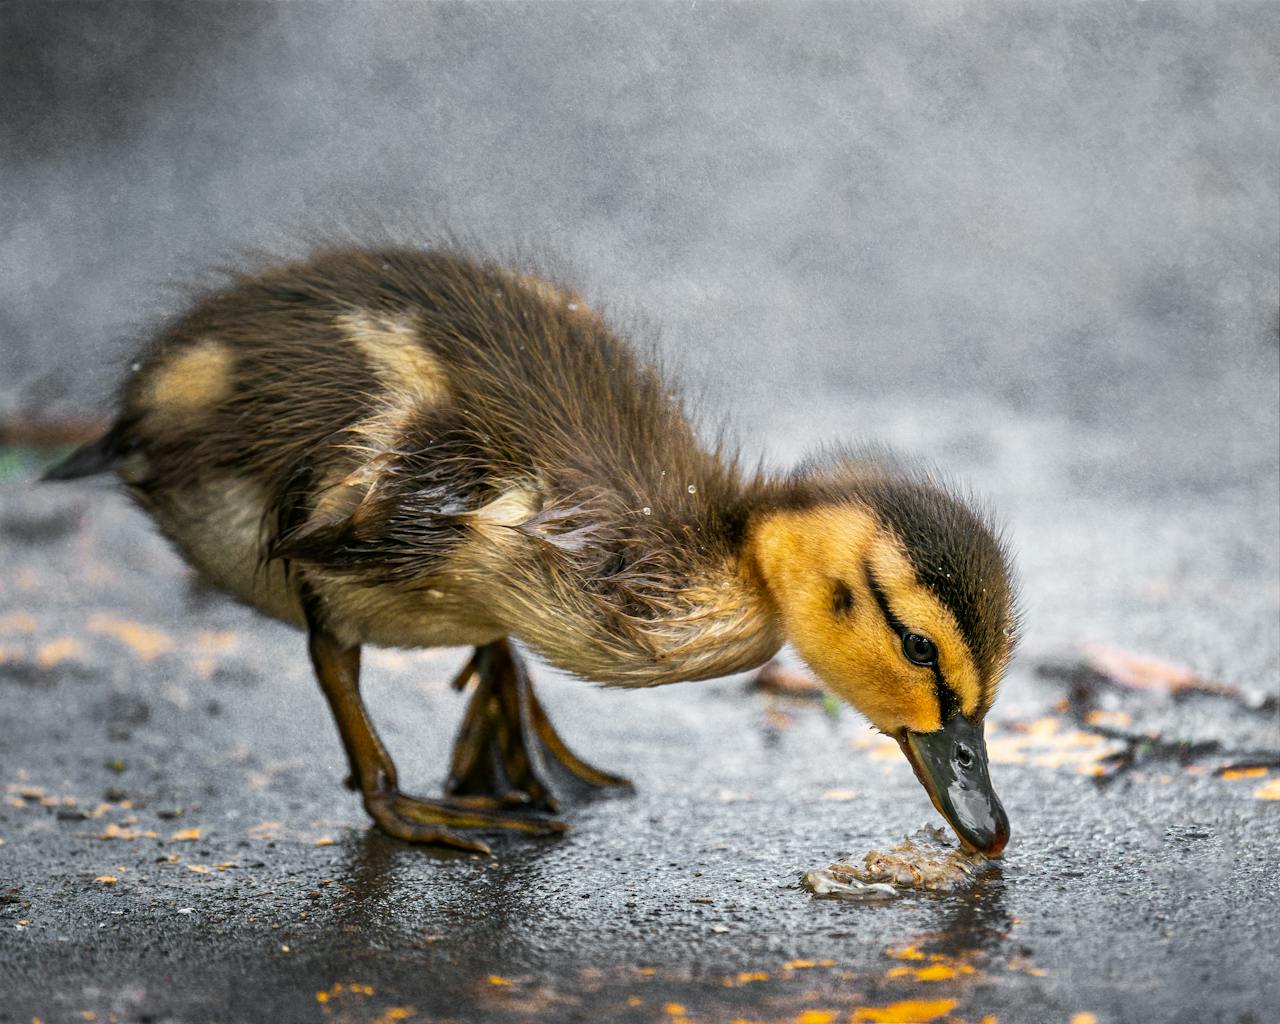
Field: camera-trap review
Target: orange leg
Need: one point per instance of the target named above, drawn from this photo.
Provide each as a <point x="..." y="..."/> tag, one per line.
<point x="415" y="820"/>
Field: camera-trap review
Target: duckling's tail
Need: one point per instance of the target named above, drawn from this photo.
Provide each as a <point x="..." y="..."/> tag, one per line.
<point x="98" y="456"/>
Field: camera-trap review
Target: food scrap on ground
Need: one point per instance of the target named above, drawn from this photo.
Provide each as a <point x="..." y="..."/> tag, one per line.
<point x="928" y="860"/>
<point x="838" y="882"/>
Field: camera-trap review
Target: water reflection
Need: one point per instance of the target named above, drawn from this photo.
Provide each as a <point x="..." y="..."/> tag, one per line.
<point x="395" y="895"/>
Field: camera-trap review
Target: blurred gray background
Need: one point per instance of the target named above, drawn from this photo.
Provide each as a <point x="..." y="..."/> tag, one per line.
<point x="1036" y="243"/>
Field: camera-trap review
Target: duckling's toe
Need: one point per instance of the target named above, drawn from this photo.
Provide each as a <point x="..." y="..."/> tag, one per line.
<point x="431" y="821"/>
<point x="507" y="745"/>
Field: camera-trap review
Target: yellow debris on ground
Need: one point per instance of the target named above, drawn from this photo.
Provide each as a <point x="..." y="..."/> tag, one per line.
<point x="1270" y="791"/>
<point x="908" y="1011"/>
<point x="147" y="643"/>
<point x="1243" y="773"/>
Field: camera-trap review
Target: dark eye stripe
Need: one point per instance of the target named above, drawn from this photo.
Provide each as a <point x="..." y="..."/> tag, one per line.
<point x="948" y="699"/>
<point x="883" y="601"/>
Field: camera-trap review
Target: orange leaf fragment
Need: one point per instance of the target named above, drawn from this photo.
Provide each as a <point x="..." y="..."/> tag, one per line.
<point x="1271" y="791"/>
<point x="185" y="835"/>
<point x="1119" y="719"/>
<point x="1243" y="773"/>
<point x="147" y="643"/>
<point x="904" y="953"/>
<point x="908" y="1011"/>
<point x="107" y="879"/>
<point x="56" y="651"/>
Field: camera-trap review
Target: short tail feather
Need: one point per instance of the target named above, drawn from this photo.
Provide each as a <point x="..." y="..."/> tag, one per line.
<point x="100" y="456"/>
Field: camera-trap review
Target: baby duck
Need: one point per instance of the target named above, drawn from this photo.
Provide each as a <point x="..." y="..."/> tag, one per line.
<point x="420" y="449"/>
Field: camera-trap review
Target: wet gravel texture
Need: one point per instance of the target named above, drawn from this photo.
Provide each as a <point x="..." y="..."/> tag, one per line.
<point x="130" y="695"/>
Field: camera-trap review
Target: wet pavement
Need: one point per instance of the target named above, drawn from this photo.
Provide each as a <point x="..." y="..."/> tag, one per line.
<point x="177" y="844"/>
<point x="1034" y="243"/>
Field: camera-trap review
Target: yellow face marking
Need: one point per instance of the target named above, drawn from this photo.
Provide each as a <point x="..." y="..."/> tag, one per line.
<point x="198" y="377"/>
<point x="916" y="608"/>
<point x="804" y="556"/>
<point x="395" y="353"/>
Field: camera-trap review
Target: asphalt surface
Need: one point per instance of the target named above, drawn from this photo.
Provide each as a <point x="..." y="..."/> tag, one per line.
<point x="177" y="844"/>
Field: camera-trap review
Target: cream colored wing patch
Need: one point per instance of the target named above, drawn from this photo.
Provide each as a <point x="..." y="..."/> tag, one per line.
<point x="510" y="508"/>
<point x="393" y="348"/>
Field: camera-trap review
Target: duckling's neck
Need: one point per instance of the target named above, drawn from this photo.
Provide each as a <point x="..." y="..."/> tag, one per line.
<point x="721" y="623"/>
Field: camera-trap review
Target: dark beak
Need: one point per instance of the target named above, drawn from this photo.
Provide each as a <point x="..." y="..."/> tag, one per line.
<point x="951" y="764"/>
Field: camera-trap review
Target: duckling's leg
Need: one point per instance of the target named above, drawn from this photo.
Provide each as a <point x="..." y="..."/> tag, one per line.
<point x="417" y="821"/>
<point x="500" y="757"/>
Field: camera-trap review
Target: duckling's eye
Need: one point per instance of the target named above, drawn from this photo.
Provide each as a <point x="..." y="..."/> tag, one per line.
<point x="919" y="649"/>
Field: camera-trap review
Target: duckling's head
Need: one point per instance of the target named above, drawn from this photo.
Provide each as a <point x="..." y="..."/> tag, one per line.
<point x="899" y="595"/>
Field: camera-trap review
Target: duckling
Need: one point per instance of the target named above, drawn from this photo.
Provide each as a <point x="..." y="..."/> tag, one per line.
<point x="415" y="448"/>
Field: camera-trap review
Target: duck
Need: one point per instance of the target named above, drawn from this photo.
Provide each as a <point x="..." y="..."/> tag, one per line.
<point x="424" y="447"/>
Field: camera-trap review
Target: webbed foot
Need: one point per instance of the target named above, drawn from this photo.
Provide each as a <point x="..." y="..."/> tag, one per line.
<point x="405" y="817"/>
<point x="416" y="820"/>
<point x="507" y="746"/>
